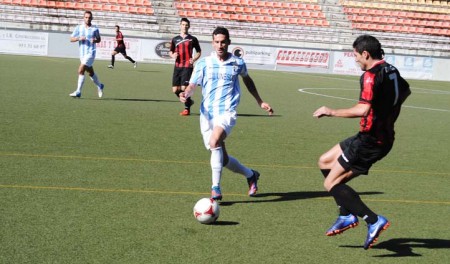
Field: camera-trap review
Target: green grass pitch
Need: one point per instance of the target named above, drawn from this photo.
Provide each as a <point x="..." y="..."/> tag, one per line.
<point x="114" y="180"/>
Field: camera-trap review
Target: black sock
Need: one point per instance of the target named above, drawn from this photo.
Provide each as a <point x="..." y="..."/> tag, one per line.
<point x="188" y="103"/>
<point x="342" y="210"/>
<point x="325" y="172"/>
<point x="177" y="93"/>
<point x="350" y="200"/>
<point x="112" y="60"/>
<point x="130" y="59"/>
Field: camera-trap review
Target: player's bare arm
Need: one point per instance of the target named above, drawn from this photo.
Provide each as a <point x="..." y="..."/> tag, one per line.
<point x="173" y="55"/>
<point x="196" y="57"/>
<point x="188" y="92"/>
<point x="75" y="39"/>
<point x="359" y="110"/>
<point x="250" y="84"/>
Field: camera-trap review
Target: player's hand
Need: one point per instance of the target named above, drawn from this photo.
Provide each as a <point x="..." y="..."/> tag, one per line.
<point x="267" y="107"/>
<point x="174" y="55"/>
<point x="183" y="97"/>
<point x="322" y="111"/>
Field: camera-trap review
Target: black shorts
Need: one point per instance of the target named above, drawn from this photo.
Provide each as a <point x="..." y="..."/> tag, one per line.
<point x="121" y="49"/>
<point x="360" y="152"/>
<point x="181" y="76"/>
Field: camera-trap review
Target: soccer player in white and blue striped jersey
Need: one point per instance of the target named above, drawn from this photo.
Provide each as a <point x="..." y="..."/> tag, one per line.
<point x="87" y="36"/>
<point x="218" y="75"/>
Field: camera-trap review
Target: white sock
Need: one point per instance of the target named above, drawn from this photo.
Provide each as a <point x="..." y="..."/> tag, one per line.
<point x="94" y="78"/>
<point x="216" y="165"/>
<point x="80" y="83"/>
<point x="235" y="166"/>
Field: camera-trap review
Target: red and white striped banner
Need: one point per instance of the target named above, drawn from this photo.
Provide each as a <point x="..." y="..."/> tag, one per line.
<point x="303" y="58"/>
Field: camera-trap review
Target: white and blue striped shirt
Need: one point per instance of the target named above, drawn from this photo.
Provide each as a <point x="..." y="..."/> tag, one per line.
<point x="220" y="84"/>
<point x="87" y="47"/>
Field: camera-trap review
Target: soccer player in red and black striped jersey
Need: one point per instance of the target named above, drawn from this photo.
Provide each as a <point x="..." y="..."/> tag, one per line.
<point x="181" y="49"/>
<point x="120" y="48"/>
<point x="382" y="93"/>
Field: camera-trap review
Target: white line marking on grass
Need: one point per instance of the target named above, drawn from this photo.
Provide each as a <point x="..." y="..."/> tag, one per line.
<point x="270" y="166"/>
<point x="304" y="90"/>
<point x="168" y="192"/>
<point x="430" y="91"/>
<point x="63" y="188"/>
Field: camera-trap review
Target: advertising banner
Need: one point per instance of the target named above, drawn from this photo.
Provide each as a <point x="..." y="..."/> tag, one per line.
<point x="154" y="50"/>
<point x="107" y="45"/>
<point x="412" y="67"/>
<point x="344" y="63"/>
<point x="409" y="66"/>
<point x="303" y="58"/>
<point x="254" y="54"/>
<point x="23" y="42"/>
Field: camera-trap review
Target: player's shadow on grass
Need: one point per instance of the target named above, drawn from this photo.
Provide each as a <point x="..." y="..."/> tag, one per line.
<point x="403" y="247"/>
<point x="140" y="100"/>
<point x="289" y="196"/>
<point x="258" y="115"/>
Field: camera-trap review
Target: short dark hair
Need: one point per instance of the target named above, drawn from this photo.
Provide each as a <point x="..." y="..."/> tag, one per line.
<point x="222" y="31"/>
<point x="185" y="20"/>
<point x="370" y="44"/>
<point x="117" y="26"/>
<point x="90" y="13"/>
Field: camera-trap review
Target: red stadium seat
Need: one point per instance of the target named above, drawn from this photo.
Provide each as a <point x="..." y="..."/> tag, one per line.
<point x="132" y="9"/>
<point x="284" y="20"/>
<point x="276" y="20"/>
<point x="289" y="12"/>
<point x="309" y="22"/>
<point x="267" y="19"/>
<point x="60" y="4"/>
<point x="260" y="19"/>
<point x="301" y="21"/>
<point x="124" y="9"/>
<point x="234" y="17"/>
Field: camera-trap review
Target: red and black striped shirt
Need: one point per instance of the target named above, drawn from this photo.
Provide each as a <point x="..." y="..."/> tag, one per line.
<point x="119" y="39"/>
<point x="385" y="90"/>
<point x="184" y="47"/>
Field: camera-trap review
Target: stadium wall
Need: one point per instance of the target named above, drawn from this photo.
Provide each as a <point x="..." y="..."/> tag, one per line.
<point x="53" y="44"/>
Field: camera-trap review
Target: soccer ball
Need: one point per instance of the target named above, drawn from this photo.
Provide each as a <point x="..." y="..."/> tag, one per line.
<point x="206" y="210"/>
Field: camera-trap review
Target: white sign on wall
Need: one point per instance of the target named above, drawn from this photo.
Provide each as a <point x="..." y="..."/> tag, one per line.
<point x="344" y="63"/>
<point x="411" y="66"/>
<point x="303" y="58"/>
<point x="254" y="54"/>
<point x="23" y="42"/>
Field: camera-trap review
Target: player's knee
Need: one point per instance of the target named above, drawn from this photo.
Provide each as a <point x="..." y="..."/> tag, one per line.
<point x="213" y="143"/>
<point x="176" y="92"/>
<point x="323" y="162"/>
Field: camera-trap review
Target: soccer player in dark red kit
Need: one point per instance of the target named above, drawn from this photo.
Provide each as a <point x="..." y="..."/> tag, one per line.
<point x="382" y="93"/>
<point x="181" y="49"/>
<point x="120" y="48"/>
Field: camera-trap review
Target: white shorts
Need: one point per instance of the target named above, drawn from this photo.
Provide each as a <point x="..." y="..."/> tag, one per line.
<point x="87" y="60"/>
<point x="226" y="121"/>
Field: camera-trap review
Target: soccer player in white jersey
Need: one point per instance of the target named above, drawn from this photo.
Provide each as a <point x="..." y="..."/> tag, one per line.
<point x="87" y="35"/>
<point x="218" y="75"/>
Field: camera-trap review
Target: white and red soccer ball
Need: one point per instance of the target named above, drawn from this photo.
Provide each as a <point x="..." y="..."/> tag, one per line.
<point x="206" y="210"/>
